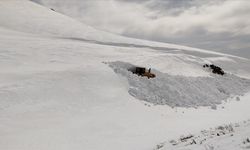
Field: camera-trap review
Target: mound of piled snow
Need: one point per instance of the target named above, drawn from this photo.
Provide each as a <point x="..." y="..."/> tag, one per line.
<point x="182" y="91"/>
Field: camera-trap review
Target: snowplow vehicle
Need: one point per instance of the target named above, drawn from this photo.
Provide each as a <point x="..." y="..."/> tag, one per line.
<point x="141" y="71"/>
<point x="215" y="69"/>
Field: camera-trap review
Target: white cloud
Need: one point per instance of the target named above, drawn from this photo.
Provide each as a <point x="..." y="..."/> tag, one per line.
<point x="123" y="16"/>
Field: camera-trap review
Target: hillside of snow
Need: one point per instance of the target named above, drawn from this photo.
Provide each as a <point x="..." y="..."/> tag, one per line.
<point x="65" y="85"/>
<point x="224" y="137"/>
<point x="160" y="20"/>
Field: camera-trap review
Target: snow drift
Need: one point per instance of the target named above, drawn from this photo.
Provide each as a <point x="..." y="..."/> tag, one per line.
<point x="182" y="91"/>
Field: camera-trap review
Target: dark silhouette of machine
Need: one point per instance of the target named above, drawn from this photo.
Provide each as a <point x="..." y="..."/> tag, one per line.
<point x="141" y="71"/>
<point x="215" y="69"/>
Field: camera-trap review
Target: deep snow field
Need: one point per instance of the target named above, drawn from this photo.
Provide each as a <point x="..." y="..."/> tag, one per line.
<point x="61" y="88"/>
<point x="224" y="137"/>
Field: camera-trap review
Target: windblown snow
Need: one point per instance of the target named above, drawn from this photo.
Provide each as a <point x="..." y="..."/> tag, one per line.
<point x="56" y="92"/>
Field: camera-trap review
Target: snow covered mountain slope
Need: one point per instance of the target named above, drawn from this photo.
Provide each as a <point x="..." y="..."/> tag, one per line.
<point x="232" y="136"/>
<point x="26" y="16"/>
<point x="45" y="21"/>
<point x="57" y="93"/>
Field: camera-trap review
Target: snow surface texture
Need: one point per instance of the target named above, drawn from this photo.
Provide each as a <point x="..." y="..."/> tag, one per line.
<point x="181" y="91"/>
<point x="233" y="136"/>
<point x="56" y="94"/>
